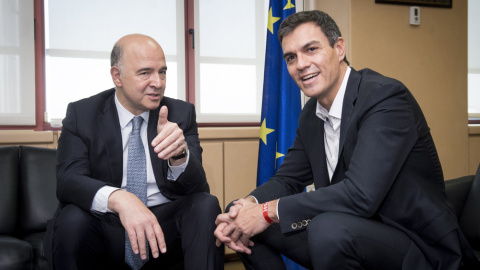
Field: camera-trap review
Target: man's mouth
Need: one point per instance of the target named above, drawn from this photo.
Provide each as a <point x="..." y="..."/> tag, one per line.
<point x="310" y="76"/>
<point x="154" y="96"/>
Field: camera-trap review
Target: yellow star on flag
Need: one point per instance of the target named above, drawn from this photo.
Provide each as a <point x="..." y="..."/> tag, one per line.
<point x="279" y="155"/>
<point x="289" y="5"/>
<point x="264" y="131"/>
<point x="271" y="20"/>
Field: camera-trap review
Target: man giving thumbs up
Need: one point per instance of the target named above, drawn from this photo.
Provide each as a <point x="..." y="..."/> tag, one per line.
<point x="131" y="185"/>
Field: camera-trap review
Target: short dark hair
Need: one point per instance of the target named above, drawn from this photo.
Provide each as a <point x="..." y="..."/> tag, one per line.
<point x="323" y="20"/>
<point x="116" y="55"/>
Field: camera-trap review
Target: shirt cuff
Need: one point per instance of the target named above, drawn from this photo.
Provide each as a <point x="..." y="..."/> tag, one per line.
<point x="100" y="201"/>
<point x="253" y="198"/>
<point x="278" y="216"/>
<point x="175" y="171"/>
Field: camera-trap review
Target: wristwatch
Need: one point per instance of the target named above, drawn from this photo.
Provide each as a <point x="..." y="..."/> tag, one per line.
<point x="183" y="154"/>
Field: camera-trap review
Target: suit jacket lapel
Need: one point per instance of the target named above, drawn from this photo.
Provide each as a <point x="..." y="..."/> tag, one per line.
<point x="348" y="104"/>
<point x="110" y="129"/>
<point x="349" y="99"/>
<point x="318" y="156"/>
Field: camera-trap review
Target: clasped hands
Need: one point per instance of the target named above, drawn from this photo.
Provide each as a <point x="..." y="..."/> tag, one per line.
<point x="139" y="222"/>
<point x="243" y="221"/>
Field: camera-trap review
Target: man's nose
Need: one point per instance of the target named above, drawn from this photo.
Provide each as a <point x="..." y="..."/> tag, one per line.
<point x="302" y="62"/>
<point x="157" y="80"/>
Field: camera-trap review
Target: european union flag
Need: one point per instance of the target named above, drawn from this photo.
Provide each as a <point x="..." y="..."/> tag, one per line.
<point x="280" y="104"/>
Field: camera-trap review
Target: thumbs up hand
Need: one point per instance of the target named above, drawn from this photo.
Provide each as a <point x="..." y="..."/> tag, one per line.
<point x="170" y="139"/>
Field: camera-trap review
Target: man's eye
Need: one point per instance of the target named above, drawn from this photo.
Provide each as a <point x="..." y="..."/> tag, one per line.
<point x="290" y="58"/>
<point x="311" y="49"/>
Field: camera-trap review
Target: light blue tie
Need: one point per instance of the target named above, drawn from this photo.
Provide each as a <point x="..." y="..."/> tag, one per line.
<point x="136" y="183"/>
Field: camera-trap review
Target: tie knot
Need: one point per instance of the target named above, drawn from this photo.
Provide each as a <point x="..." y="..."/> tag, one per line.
<point x="137" y="122"/>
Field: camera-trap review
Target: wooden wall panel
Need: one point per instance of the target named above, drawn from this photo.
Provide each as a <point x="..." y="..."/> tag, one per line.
<point x="241" y="159"/>
<point x="240" y="165"/>
<point x="213" y="165"/>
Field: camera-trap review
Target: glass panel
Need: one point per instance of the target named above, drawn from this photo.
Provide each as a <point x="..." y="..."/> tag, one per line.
<point x="227" y="28"/>
<point x="17" y="63"/>
<point x="75" y="24"/>
<point x="9" y="10"/>
<point x="474" y="95"/>
<point x="10" y="84"/>
<point x="225" y="89"/>
<point x="229" y="59"/>
<point x="473" y="59"/>
<point x="70" y="79"/>
<point x="78" y="68"/>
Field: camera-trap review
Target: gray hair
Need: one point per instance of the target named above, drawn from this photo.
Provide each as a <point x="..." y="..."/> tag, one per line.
<point x="116" y="57"/>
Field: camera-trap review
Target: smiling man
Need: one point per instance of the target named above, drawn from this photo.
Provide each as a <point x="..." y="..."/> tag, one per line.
<point x="362" y="140"/>
<point x="130" y="180"/>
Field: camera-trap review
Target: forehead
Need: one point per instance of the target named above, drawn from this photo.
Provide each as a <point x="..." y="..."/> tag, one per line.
<point x="142" y="53"/>
<point x="303" y="34"/>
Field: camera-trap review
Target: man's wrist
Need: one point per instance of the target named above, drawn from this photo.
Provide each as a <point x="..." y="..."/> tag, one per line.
<point x="183" y="154"/>
<point x="269" y="210"/>
<point x="251" y="199"/>
<point x="113" y="201"/>
<point x="272" y="211"/>
<point x="100" y="200"/>
<point x="265" y="213"/>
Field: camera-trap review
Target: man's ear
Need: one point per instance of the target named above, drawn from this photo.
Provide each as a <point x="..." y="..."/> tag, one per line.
<point x="340" y="47"/>
<point x="116" y="74"/>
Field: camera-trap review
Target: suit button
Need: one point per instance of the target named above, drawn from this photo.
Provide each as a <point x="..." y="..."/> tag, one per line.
<point x="304" y="223"/>
<point x="299" y="224"/>
<point x="294" y="226"/>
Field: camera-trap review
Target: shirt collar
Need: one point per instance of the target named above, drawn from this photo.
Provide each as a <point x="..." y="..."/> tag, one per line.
<point x="124" y="116"/>
<point x="337" y="105"/>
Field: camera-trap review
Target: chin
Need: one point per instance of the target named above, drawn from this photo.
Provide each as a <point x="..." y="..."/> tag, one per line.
<point x="308" y="93"/>
<point x="152" y="106"/>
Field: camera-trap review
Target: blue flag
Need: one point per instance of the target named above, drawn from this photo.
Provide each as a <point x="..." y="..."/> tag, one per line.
<point x="280" y="104"/>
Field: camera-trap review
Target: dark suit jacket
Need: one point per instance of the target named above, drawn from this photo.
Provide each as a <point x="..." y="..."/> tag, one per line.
<point x="388" y="167"/>
<point x="90" y="153"/>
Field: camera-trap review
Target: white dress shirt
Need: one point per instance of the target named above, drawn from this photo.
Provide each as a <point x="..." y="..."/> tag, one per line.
<point x="332" y="121"/>
<point x="154" y="196"/>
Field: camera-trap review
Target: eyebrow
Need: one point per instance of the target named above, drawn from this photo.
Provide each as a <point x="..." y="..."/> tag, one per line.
<point x="308" y="44"/>
<point x="150" y="69"/>
<point x="144" y="69"/>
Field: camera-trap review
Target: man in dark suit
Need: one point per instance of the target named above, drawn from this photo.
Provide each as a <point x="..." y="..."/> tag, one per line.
<point x="363" y="141"/>
<point x="100" y="217"/>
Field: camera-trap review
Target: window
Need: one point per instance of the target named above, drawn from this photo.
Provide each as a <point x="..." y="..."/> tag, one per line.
<point x="473" y="59"/>
<point x="229" y="59"/>
<point x="222" y="76"/>
<point x="79" y="36"/>
<point x="17" y="67"/>
<point x="229" y="52"/>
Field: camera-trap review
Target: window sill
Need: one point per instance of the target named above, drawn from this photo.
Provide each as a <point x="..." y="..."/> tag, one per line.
<point x="474" y="129"/>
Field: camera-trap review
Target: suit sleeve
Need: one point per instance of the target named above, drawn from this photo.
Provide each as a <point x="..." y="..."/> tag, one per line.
<point x="193" y="179"/>
<point x="74" y="184"/>
<point x="292" y="177"/>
